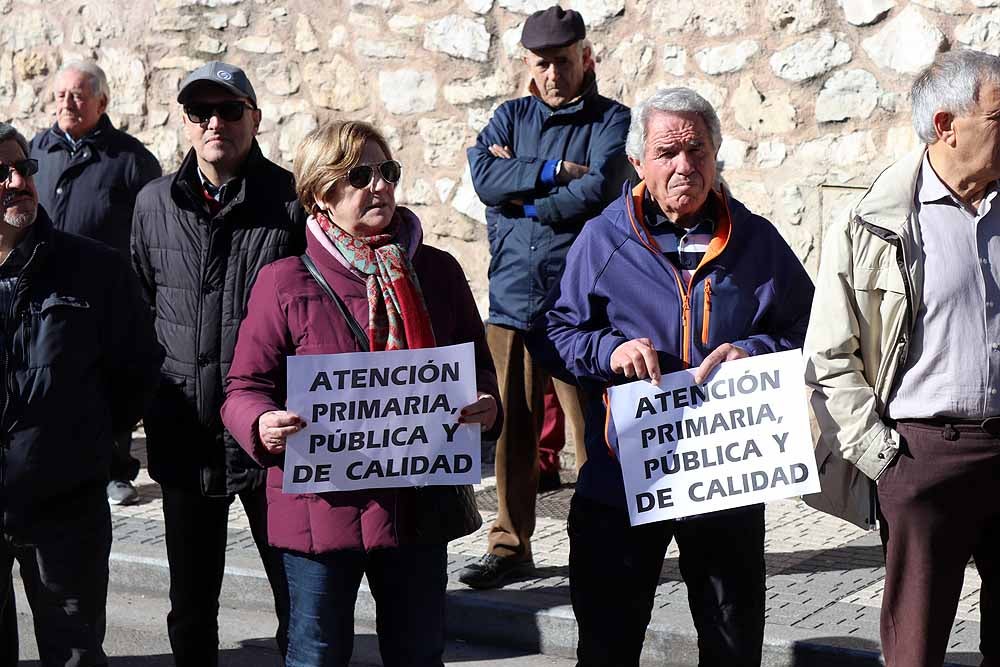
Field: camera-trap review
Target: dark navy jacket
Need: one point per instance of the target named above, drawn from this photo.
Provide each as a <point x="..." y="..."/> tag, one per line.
<point x="80" y="361"/>
<point x="91" y="191"/>
<point x="528" y="253"/>
<point x="750" y="290"/>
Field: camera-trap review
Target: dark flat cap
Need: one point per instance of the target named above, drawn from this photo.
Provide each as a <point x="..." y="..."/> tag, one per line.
<point x="552" y="28"/>
<point x="229" y="77"/>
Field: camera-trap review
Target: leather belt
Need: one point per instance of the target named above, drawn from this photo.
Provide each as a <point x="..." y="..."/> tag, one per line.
<point x="990" y="425"/>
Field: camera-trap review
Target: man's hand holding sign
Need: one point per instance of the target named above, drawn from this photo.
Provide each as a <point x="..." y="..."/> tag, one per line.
<point x="637" y="359"/>
<point x="702" y="441"/>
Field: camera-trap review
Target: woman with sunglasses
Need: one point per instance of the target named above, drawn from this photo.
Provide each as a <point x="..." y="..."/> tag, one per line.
<point x="403" y="294"/>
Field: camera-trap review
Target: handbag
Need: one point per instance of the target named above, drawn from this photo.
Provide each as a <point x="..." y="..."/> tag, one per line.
<point x="439" y="513"/>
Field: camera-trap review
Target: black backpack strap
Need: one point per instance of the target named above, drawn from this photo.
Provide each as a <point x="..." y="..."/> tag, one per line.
<point x="359" y="333"/>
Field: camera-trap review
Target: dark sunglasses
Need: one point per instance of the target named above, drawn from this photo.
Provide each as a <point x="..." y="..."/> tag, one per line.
<point x="27" y="167"/>
<point x="360" y="177"/>
<point x="227" y="111"/>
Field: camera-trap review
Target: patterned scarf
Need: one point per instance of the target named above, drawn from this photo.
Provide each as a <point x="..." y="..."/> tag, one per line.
<point x="397" y="314"/>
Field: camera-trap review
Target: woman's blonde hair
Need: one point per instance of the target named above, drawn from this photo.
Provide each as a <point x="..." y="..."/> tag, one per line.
<point x="327" y="153"/>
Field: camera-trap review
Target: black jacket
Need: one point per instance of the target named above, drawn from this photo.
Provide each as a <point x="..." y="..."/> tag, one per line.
<point x="197" y="270"/>
<point x="91" y="192"/>
<point x="79" y="360"/>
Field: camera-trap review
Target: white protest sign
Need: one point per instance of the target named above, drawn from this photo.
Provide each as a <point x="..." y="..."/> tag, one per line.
<point x="739" y="438"/>
<point x="382" y="419"/>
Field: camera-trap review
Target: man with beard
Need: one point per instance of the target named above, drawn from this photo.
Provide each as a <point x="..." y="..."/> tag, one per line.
<point x="79" y="359"/>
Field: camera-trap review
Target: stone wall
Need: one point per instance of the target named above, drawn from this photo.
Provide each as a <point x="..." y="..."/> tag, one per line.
<point x="812" y="93"/>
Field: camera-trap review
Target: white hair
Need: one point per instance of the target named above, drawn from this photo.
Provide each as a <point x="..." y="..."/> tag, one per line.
<point x="670" y="100"/>
<point x="98" y="80"/>
<point x="950" y="84"/>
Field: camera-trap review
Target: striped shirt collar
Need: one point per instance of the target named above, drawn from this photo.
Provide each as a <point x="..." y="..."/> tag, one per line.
<point x="658" y="221"/>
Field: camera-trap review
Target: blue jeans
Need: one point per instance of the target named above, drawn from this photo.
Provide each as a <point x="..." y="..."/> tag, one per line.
<point x="408" y="584"/>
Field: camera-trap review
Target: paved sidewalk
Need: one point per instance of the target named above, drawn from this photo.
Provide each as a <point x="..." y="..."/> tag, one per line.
<point x="824" y="585"/>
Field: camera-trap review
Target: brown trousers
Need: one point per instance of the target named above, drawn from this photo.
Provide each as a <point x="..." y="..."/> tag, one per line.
<point x="522" y="391"/>
<point x="940" y="505"/>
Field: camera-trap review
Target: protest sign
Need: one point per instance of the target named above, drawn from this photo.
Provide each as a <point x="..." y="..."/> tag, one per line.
<point x="739" y="438"/>
<point x="382" y="419"/>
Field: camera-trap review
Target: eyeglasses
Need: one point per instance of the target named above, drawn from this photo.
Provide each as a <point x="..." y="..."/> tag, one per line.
<point x="227" y="111"/>
<point x="27" y="167"/>
<point x="360" y="177"/>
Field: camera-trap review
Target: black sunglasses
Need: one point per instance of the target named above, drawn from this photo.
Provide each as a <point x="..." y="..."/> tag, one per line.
<point x="26" y="167"/>
<point x="360" y="177"/>
<point x="227" y="111"/>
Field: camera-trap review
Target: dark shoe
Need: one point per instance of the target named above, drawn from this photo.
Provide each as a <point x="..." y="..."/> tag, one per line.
<point x="549" y="481"/>
<point x="122" y="493"/>
<point x="492" y="571"/>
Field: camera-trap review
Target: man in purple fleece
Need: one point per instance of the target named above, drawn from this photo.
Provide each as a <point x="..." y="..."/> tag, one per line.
<point x="674" y="274"/>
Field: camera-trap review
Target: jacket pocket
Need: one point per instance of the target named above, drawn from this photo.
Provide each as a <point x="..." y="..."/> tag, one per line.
<point x="59" y="301"/>
<point x="172" y="412"/>
<point x="497" y="231"/>
<point x="60" y="330"/>
<point x="879" y="279"/>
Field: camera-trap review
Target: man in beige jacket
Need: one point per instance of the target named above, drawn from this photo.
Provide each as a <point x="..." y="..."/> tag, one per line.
<point x="903" y="356"/>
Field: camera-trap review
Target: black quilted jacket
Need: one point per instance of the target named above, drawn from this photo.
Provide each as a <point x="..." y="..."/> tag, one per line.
<point x="197" y="270"/>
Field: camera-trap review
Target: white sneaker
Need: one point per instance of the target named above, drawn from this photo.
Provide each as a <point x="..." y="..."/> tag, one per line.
<point x="122" y="493"/>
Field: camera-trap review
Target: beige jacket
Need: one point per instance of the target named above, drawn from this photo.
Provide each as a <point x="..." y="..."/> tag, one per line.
<point x="867" y="292"/>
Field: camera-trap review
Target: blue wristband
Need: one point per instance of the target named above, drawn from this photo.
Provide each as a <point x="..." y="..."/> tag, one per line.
<point x="530" y="211"/>
<point x="548" y="174"/>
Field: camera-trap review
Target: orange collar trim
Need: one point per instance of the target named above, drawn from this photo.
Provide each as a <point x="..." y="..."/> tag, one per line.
<point x="723" y="226"/>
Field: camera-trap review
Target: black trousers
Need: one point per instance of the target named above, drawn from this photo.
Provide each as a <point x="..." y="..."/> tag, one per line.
<point x="64" y="569"/>
<point x="124" y="466"/>
<point x="196" y="535"/>
<point x="614" y="570"/>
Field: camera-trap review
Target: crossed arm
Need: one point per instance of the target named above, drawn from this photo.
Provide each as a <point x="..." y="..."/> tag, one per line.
<point x="553" y="190"/>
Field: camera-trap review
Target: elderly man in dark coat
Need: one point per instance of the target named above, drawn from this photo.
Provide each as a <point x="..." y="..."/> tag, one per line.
<point x="89" y="173"/>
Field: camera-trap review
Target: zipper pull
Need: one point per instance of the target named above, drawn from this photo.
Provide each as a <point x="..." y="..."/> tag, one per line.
<point x="705" y="316"/>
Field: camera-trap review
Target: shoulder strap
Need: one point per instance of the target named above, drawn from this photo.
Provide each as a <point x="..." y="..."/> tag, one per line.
<point x="359" y="334"/>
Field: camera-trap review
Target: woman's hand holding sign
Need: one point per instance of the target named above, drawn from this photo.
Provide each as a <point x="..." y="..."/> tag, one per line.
<point x="637" y="359"/>
<point x="275" y="426"/>
<point x="482" y="412"/>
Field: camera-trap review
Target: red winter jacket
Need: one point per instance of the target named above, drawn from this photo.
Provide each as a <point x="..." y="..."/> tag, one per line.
<point x="289" y="314"/>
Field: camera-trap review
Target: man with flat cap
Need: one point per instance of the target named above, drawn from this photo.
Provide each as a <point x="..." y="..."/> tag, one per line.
<point x="545" y="164"/>
<point x="199" y="237"/>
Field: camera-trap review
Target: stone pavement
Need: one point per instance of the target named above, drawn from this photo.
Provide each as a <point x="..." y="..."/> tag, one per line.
<point x="824" y="585"/>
